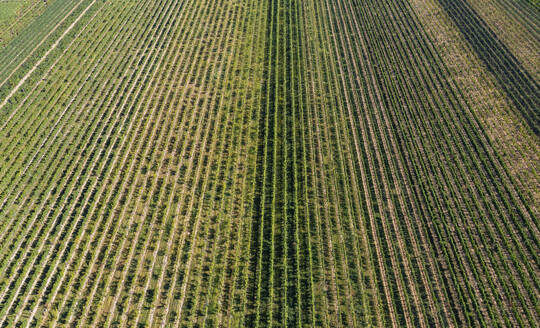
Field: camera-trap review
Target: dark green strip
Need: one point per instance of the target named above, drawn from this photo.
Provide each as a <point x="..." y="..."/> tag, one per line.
<point x="274" y="217"/>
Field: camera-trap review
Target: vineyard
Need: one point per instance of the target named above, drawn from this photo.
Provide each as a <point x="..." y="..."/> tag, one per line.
<point x="284" y="163"/>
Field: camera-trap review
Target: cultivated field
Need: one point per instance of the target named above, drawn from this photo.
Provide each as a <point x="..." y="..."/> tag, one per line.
<point x="254" y="163"/>
<point x="17" y="14"/>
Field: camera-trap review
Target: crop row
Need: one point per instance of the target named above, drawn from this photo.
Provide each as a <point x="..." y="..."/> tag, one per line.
<point x="26" y="12"/>
<point x="24" y="51"/>
<point x="467" y="157"/>
<point x="281" y="290"/>
<point x="383" y="74"/>
<point x="81" y="163"/>
<point x="124" y="191"/>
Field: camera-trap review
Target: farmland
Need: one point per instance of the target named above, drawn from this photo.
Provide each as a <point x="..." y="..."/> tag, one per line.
<point x="15" y="15"/>
<point x="250" y="163"/>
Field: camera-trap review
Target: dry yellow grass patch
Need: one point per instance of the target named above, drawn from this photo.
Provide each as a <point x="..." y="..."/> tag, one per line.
<point x="517" y="145"/>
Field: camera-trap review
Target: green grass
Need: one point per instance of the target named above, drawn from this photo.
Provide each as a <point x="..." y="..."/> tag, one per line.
<point x="15" y="15"/>
<point x="8" y="9"/>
